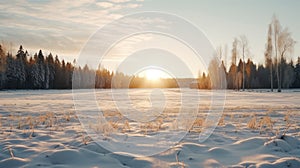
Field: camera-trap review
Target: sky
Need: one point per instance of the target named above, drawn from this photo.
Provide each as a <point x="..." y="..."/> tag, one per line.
<point x="63" y="27"/>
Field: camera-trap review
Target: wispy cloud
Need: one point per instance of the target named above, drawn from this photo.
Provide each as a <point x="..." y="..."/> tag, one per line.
<point x="119" y="1"/>
<point x="60" y="26"/>
<point x="105" y="4"/>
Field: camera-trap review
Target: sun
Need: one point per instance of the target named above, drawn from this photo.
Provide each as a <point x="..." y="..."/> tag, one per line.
<point x="153" y="74"/>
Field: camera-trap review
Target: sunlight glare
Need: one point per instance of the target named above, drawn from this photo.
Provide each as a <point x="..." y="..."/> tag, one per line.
<point x="154" y="74"/>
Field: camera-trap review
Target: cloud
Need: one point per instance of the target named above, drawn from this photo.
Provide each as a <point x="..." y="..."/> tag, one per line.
<point x="132" y="6"/>
<point x="61" y="26"/>
<point x="105" y="4"/>
<point x="119" y="1"/>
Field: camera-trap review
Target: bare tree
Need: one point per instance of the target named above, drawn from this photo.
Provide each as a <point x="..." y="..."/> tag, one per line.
<point x="268" y="55"/>
<point x="234" y="55"/>
<point x="277" y="29"/>
<point x="219" y="52"/>
<point x="225" y="55"/>
<point x="234" y="51"/>
<point x="220" y="57"/>
<point x="284" y="44"/>
<point x="244" y="49"/>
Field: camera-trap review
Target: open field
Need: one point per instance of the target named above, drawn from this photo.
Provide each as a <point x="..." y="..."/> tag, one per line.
<point x="41" y="128"/>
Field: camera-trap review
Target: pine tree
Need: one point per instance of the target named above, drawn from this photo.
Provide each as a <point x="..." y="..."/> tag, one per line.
<point x="35" y="73"/>
<point x="2" y="68"/>
<point x="11" y="72"/>
<point x="297" y="74"/>
<point x="20" y="64"/>
<point x="51" y="67"/>
<point x="288" y="74"/>
<point x="58" y="73"/>
<point x="41" y="70"/>
<point x="69" y="75"/>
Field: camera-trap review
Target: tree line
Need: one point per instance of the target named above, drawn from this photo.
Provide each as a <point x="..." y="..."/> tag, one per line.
<point x="47" y="72"/>
<point x="23" y="71"/>
<point x="277" y="71"/>
<point x="256" y="76"/>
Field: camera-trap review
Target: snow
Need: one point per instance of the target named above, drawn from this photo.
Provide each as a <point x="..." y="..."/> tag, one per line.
<point x="42" y="128"/>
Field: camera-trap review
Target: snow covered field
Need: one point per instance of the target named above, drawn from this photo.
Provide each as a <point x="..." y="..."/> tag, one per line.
<point x="41" y="128"/>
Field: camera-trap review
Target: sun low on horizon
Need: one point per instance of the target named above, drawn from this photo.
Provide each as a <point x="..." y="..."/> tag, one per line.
<point x="154" y="74"/>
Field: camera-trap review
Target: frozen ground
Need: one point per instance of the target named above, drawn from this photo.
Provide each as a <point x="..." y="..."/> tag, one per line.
<point x="42" y="129"/>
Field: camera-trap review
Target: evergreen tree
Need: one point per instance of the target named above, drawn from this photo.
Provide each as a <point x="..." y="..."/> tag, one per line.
<point x="2" y="68"/>
<point x="51" y="68"/>
<point x="58" y="74"/>
<point x="20" y="64"/>
<point x="297" y="74"/>
<point x="36" y="79"/>
<point x="69" y="75"/>
<point x="288" y="74"/>
<point x="262" y="81"/>
<point x="250" y="71"/>
<point x="12" y="76"/>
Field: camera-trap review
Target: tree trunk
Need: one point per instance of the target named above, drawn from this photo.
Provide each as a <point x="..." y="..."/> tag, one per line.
<point x="271" y="67"/>
<point x="278" y="77"/>
<point x="277" y="67"/>
<point x="280" y="74"/>
<point x="243" y="69"/>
